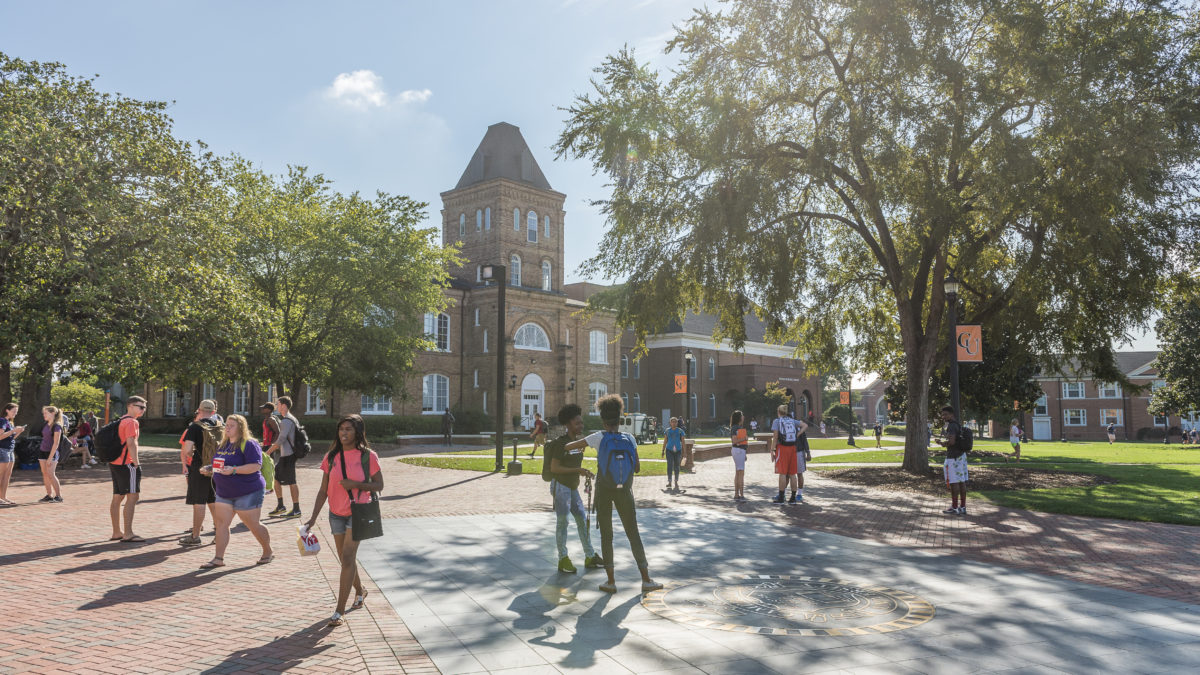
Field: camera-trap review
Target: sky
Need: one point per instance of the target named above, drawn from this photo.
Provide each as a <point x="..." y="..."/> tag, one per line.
<point x="391" y="96"/>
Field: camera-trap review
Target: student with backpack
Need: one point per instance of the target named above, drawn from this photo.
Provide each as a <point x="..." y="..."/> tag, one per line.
<point x="562" y="468"/>
<point x="117" y="444"/>
<point x="957" y="442"/>
<point x="1111" y="430"/>
<point x="617" y="462"/>
<point x="289" y="450"/>
<point x="878" y="435"/>
<point x="673" y="451"/>
<point x="739" y="442"/>
<point x="538" y="434"/>
<point x="200" y="442"/>
<point x="789" y="463"/>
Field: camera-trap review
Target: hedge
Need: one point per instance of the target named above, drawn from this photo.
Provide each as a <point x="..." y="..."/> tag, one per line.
<point x="379" y="427"/>
<point x="893" y="430"/>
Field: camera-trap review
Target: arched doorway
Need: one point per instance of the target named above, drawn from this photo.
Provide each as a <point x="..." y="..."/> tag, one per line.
<point x="533" y="399"/>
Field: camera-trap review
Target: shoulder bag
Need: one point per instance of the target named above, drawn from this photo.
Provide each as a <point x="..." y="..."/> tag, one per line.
<point x="365" y="519"/>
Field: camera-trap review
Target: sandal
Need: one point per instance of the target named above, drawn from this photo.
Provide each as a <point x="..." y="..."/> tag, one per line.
<point x="265" y="559"/>
<point x="213" y="564"/>
<point x="359" y="600"/>
<point x="133" y="540"/>
<point x="190" y="541"/>
<point x="335" y="620"/>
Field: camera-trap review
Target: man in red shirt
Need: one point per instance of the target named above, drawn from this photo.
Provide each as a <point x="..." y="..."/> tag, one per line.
<point x="127" y="472"/>
<point x="537" y="433"/>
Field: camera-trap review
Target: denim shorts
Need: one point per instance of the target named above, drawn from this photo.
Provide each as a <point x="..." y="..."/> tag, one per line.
<point x="250" y="502"/>
<point x="6" y="456"/>
<point x="338" y="524"/>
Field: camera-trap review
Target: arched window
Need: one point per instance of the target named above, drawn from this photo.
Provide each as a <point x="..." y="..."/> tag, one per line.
<point x="531" y="336"/>
<point x="637" y="403"/>
<point x="532" y="227"/>
<point x="487" y="218"/>
<point x="547" y="221"/>
<point x="599" y="347"/>
<point x="712" y="368"/>
<point x="435" y="394"/>
<point x="596" y="390"/>
<point x="546" y="285"/>
<point x="478" y="220"/>
<point x="462" y="225"/>
<point x="437" y="329"/>
<point x="624" y="365"/>
<point x="625" y="401"/>
<point x="516" y="220"/>
<point x="692" y="407"/>
<point x="712" y="406"/>
<point x="514" y="265"/>
<point x="692" y="368"/>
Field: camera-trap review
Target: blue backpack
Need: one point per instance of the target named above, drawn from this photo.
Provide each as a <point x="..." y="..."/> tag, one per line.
<point x="617" y="458"/>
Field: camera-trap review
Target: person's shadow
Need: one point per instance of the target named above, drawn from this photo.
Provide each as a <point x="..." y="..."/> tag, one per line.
<point x="298" y="646"/>
<point x="594" y="630"/>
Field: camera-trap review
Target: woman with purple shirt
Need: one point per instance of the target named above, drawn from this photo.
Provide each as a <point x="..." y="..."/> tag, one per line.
<point x="236" y="470"/>
<point x="48" y="454"/>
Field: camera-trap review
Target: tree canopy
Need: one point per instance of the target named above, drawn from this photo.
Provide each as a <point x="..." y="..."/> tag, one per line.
<point x="1178" y="360"/>
<point x="826" y="163"/>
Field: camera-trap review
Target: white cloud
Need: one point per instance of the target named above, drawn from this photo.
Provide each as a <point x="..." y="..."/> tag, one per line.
<point x="364" y="89"/>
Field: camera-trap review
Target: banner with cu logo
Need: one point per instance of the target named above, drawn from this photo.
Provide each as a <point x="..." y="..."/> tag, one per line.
<point x="968" y="341"/>
<point x="681" y="384"/>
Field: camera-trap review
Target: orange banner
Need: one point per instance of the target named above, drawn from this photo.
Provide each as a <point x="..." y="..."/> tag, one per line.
<point x="844" y="397"/>
<point x="969" y="342"/>
<point x="681" y="384"/>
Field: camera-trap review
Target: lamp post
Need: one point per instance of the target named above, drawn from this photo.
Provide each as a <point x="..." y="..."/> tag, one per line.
<point x="950" y="284"/>
<point x="498" y="274"/>
<point x="687" y="403"/>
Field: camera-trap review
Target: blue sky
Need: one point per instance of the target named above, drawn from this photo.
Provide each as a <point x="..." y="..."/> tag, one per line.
<point x="391" y="96"/>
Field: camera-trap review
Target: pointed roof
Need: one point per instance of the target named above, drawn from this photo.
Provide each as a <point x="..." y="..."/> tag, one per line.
<point x="503" y="153"/>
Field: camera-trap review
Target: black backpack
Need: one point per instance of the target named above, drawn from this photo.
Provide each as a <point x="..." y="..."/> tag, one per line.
<point x="548" y="456"/>
<point x="300" y="444"/>
<point x="966" y="440"/>
<point x="108" y="441"/>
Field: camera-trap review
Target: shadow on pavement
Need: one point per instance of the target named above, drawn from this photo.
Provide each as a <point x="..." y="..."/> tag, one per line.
<point x="159" y="588"/>
<point x="279" y="655"/>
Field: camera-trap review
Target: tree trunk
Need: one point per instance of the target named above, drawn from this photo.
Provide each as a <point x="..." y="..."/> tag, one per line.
<point x="35" y="393"/>
<point x="916" y="455"/>
<point x="6" y="381"/>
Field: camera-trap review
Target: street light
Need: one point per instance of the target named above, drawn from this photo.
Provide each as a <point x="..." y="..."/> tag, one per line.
<point x="950" y="284"/>
<point x="687" y="403"/>
<point x="497" y="273"/>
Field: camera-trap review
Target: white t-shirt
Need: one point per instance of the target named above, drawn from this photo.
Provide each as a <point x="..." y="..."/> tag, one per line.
<point x="1014" y="434"/>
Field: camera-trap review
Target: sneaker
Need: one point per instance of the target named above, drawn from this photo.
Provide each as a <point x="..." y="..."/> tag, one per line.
<point x="58" y="500"/>
<point x="608" y="587"/>
<point x="648" y="586"/>
<point x="86" y="466"/>
<point x="952" y="511"/>
<point x="778" y="499"/>
<point x="800" y="499"/>
<point x="962" y="510"/>
<point x="279" y="511"/>
<point x="294" y="513"/>
<point x="593" y="563"/>
<point x="564" y="565"/>
<point x="92" y="461"/>
<point x="46" y="500"/>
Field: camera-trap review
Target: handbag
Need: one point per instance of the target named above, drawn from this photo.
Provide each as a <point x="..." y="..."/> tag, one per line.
<point x="365" y="519"/>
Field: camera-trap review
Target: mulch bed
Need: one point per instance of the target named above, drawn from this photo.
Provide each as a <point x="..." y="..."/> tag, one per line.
<point x="982" y="478"/>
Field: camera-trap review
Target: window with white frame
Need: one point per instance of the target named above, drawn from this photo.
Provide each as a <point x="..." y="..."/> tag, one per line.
<point x="241" y="397"/>
<point x="712" y="405"/>
<point x="596" y="391"/>
<point x="271" y="393"/>
<point x="479" y="220"/>
<point x="476" y="316"/>
<point x="567" y="337"/>
<point x="170" y="402"/>
<point x="316" y="402"/>
<point x="485" y="402"/>
<point x="547" y="219"/>
<point x="637" y="402"/>
<point x="692" y="407"/>
<point x="516" y="220"/>
<point x="514" y="270"/>
<point x="531" y="336"/>
<point x="1112" y="416"/>
<point x="712" y="368"/>
<point x="1075" y="417"/>
<point x="599" y="347"/>
<point x="692" y="369"/>
<point x="547" y="280"/>
<point x="462" y="225"/>
<point x="487" y="218"/>
<point x="637" y="369"/>
<point x="376" y="405"/>
<point x="479" y="274"/>
<point x="624" y="366"/>
<point x="208" y="390"/>
<point x="437" y="330"/>
<point x="1160" y="421"/>
<point x="1073" y="390"/>
<point x="1110" y="390"/>
<point x="625" y="401"/>
<point x="475" y="378"/>
<point x="531" y="227"/>
<point x="435" y="394"/>
<point x="1042" y="406"/>
<point x="485" y="345"/>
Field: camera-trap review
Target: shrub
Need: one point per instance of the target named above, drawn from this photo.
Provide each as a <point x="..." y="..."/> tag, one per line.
<point x="893" y="430"/>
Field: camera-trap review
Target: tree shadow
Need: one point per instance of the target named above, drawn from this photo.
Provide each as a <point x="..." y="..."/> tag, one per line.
<point x="440" y="487"/>
<point x="299" y="646"/>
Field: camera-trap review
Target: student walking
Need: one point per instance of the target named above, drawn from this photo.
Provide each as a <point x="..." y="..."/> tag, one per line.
<point x="538" y="434"/>
<point x="1014" y="437"/>
<point x="126" y="473"/>
<point x="739" y="442"/>
<point x="201" y="496"/>
<point x="789" y="464"/>
<point x="285" y="468"/>
<point x="49" y="455"/>
<point x="955" y="466"/>
<point x="344" y="481"/>
<point x="878" y="435"/>
<point x="617" y="462"/>
<point x="8" y="445"/>
<point x="567" y="466"/>
<point x="270" y="431"/>
<point x="448" y="428"/>
<point x="823" y="434"/>
<point x="1111" y="430"/>
<point x="673" y="451"/>
<point x="236" y="470"/>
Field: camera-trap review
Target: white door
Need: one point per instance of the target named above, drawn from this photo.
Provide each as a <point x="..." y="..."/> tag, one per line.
<point x="1041" y="429"/>
<point x="533" y="394"/>
<point x="665" y="420"/>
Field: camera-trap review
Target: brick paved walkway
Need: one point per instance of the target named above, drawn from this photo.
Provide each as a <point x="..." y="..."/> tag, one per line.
<point x="74" y="602"/>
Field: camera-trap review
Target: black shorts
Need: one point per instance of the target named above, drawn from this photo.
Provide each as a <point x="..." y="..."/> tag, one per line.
<point x="49" y="455"/>
<point x="126" y="478"/>
<point x="285" y="470"/>
<point x="199" y="488"/>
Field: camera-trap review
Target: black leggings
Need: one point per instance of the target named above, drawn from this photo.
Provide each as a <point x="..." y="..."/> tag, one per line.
<point x="606" y="499"/>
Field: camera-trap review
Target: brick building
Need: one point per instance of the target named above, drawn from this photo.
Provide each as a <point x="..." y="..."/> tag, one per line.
<point x="504" y="212"/>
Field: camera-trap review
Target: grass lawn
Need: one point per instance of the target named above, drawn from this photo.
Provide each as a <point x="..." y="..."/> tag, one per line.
<point x="653" y="451"/>
<point x="1051" y="453"/>
<point x="529" y="466"/>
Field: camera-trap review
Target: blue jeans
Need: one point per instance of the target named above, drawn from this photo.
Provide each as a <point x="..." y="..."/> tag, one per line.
<point x="674" y="458"/>
<point x="568" y="500"/>
<point x="250" y="502"/>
